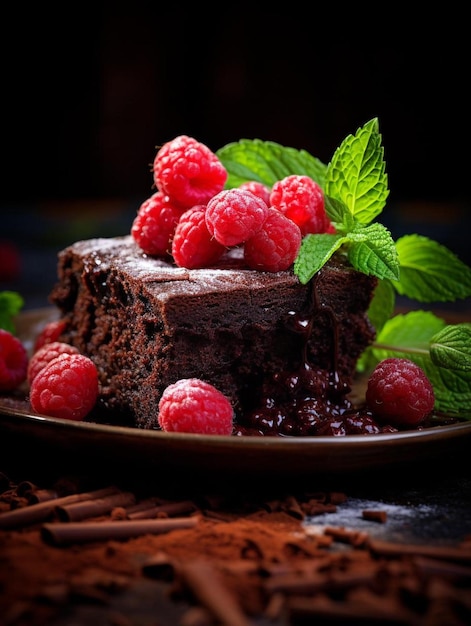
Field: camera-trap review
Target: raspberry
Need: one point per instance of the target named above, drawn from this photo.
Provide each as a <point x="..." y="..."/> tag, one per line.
<point x="193" y="246"/>
<point x="276" y="245"/>
<point x="67" y="387"/>
<point x="302" y="200"/>
<point x="258" y="189"/>
<point x="192" y="405"/>
<point x="45" y="354"/>
<point x="188" y="171"/>
<point x="399" y="392"/>
<point x="154" y="225"/>
<point x="51" y="332"/>
<point x="13" y="361"/>
<point x="234" y="215"/>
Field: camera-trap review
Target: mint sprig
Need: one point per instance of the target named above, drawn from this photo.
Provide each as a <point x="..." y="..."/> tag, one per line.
<point x="11" y="304"/>
<point x="355" y="187"/>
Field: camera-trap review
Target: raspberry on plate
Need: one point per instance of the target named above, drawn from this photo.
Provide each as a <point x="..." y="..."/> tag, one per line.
<point x="192" y="405"/>
<point x="45" y="355"/>
<point x="301" y="199"/>
<point x="188" y="172"/>
<point x="67" y="387"/>
<point x="154" y="225"/>
<point x="51" y="332"/>
<point x="276" y="245"/>
<point x="13" y="361"/>
<point x="193" y="246"/>
<point x="234" y="215"/>
<point x="399" y="392"/>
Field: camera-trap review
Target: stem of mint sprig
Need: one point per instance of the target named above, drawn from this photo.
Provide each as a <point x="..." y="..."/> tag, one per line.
<point x="355" y="185"/>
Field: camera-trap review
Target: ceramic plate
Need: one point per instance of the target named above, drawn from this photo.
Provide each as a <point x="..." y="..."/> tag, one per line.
<point x="123" y="446"/>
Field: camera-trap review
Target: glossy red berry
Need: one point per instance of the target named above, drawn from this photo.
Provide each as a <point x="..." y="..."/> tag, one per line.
<point x="51" y="332"/>
<point x="235" y="215"/>
<point x="258" y="189"/>
<point x="13" y="361"/>
<point x="192" y="405"/>
<point x="275" y="246"/>
<point x="399" y="392"/>
<point x="45" y="355"/>
<point x="67" y="387"/>
<point x="154" y="225"/>
<point x="188" y="172"/>
<point x="193" y="246"/>
<point x="302" y="200"/>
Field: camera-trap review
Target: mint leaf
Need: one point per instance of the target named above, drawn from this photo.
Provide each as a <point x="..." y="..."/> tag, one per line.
<point x="267" y="162"/>
<point x="372" y="250"/>
<point x="451" y="347"/>
<point x="338" y="214"/>
<point x="11" y="304"/>
<point x="356" y="174"/>
<point x="315" y="251"/>
<point x="430" y="272"/>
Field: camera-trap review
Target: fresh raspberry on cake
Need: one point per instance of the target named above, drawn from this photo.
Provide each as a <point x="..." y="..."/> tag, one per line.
<point x="258" y="189"/>
<point x="193" y="246"/>
<point x="188" y="171"/>
<point x="154" y="225"/>
<point x="67" y="387"/>
<point x="45" y="355"/>
<point x="302" y="200"/>
<point x="13" y="361"/>
<point x="234" y="215"/>
<point x="275" y="246"/>
<point x="192" y="405"/>
<point x="399" y="392"/>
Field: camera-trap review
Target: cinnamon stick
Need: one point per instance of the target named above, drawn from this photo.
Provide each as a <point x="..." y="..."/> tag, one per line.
<point x="94" y="507"/>
<point x="41" y="511"/>
<point x="167" y="509"/>
<point x="207" y="587"/>
<point x="60" y="534"/>
<point x="448" y="553"/>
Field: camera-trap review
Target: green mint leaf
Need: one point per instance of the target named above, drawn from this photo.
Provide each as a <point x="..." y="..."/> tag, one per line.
<point x="315" y="251"/>
<point x="380" y="311"/>
<point x="451" y="347"/>
<point x="11" y="304"/>
<point x="356" y="175"/>
<point x="382" y="305"/>
<point x="339" y="215"/>
<point x="410" y="336"/>
<point x="372" y="251"/>
<point x="430" y="272"/>
<point x="267" y="162"/>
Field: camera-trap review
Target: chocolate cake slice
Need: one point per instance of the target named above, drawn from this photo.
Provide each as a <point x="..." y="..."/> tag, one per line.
<point x="147" y="323"/>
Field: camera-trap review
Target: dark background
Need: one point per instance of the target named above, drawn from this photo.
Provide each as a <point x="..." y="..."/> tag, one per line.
<point x="89" y="94"/>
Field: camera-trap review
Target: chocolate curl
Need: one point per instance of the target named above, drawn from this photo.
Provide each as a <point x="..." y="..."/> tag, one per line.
<point x="40" y="512"/>
<point x="447" y="553"/>
<point x="375" y="516"/>
<point x="60" y="534"/>
<point x="205" y="584"/>
<point x="168" y="509"/>
<point x="94" y="508"/>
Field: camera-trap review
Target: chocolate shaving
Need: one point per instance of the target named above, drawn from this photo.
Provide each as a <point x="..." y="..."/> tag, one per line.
<point x="60" y="534"/>
<point x="375" y="516"/>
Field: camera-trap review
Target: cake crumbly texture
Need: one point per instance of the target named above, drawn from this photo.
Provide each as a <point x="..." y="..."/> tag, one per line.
<point x="147" y="323"/>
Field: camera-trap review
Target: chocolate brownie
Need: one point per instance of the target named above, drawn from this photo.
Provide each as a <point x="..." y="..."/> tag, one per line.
<point x="146" y="323"/>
